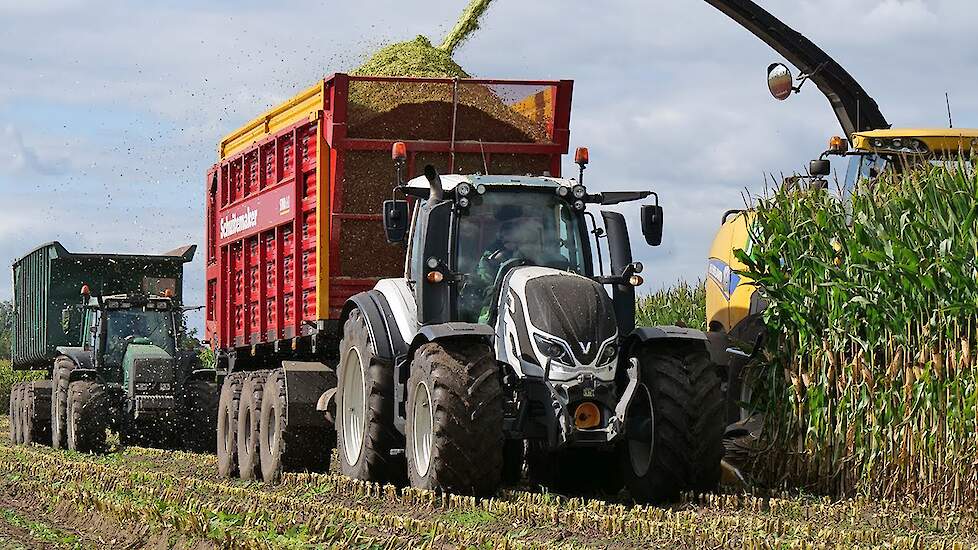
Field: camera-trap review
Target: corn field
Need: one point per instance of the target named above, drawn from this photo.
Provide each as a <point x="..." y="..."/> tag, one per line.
<point x="682" y="304"/>
<point x="870" y="378"/>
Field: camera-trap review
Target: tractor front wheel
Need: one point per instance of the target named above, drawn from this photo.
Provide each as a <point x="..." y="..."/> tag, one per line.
<point x="86" y="416"/>
<point x="674" y="425"/>
<point x="455" y="418"/>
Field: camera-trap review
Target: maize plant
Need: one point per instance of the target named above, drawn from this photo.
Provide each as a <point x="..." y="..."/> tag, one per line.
<point x="870" y="378"/>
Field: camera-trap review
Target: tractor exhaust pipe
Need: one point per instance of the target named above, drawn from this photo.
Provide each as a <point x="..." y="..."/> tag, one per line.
<point x="437" y="192"/>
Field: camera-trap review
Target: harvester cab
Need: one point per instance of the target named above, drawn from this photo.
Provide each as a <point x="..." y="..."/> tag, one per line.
<point x="504" y="345"/>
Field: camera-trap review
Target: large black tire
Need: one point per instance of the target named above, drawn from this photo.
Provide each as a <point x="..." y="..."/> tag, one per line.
<point x="686" y="447"/>
<point x="35" y="425"/>
<point x="87" y="422"/>
<point x="15" y="410"/>
<point x="458" y="384"/>
<point x="708" y="421"/>
<point x="364" y="450"/>
<point x="59" y="402"/>
<point x="286" y="448"/>
<point x="199" y="406"/>
<point x="249" y="424"/>
<point x="227" y="425"/>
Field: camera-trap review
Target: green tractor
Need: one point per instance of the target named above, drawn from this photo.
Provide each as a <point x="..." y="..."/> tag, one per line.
<point x="113" y="359"/>
<point x="129" y="377"/>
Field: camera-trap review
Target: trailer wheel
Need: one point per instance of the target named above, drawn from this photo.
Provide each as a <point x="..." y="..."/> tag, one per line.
<point x="200" y="411"/>
<point x="59" y="402"/>
<point x="86" y="416"/>
<point x="249" y="421"/>
<point x="227" y="425"/>
<point x="365" y="432"/>
<point x="36" y="428"/>
<point x="15" y="414"/>
<point x="663" y="454"/>
<point x="455" y="418"/>
<point x="287" y="448"/>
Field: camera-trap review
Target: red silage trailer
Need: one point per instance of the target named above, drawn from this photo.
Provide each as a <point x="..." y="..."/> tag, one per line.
<point x="293" y="211"/>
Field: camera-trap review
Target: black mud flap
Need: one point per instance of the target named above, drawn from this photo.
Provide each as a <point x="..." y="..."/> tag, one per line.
<point x="305" y="385"/>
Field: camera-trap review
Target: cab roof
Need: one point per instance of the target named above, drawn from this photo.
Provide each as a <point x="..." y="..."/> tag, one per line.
<point x="937" y="140"/>
<point x="450" y="181"/>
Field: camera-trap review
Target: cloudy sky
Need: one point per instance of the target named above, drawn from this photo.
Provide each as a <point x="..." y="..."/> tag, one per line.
<point x="110" y="112"/>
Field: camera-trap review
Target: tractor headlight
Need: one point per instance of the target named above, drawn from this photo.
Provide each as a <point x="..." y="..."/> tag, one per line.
<point x="463" y="202"/>
<point x="165" y="387"/>
<point x="578" y="205"/>
<point x="554" y="350"/>
<point x="463" y="189"/>
<point x="610" y="354"/>
<point x="143" y="386"/>
<point x="480" y="189"/>
<point x="562" y="191"/>
<point x="579" y="191"/>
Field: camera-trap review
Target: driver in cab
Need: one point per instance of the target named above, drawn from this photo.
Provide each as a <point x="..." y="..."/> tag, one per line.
<point x="518" y="239"/>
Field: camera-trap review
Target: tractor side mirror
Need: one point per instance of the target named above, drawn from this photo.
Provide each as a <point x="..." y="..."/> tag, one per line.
<point x="779" y="81"/>
<point x="395" y="220"/>
<point x="652" y="224"/>
<point x="819" y="168"/>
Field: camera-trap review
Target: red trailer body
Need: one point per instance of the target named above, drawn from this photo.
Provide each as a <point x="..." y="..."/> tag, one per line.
<point x="293" y="206"/>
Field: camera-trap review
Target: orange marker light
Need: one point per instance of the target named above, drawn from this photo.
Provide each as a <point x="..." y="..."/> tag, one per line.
<point x="435" y="277"/>
<point x="399" y="151"/>
<point x="168" y="293"/>
<point x="581" y="155"/>
<point x="837" y="144"/>
<point x="587" y="416"/>
<point x="85" y="290"/>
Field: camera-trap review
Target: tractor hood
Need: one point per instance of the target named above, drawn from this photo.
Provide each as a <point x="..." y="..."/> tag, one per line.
<point x="558" y="317"/>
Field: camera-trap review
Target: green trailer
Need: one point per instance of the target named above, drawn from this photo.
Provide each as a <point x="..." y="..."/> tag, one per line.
<point x="48" y="280"/>
<point x="106" y="328"/>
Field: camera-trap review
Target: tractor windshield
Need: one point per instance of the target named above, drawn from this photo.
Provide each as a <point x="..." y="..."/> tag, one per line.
<point x="122" y="326"/>
<point x="504" y="229"/>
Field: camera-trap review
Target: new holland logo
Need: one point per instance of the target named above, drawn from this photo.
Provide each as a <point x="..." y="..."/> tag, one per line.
<point x="234" y="224"/>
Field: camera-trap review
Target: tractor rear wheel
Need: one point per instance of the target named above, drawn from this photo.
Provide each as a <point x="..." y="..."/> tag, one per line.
<point x="286" y="448"/>
<point x="365" y="432"/>
<point x="199" y="415"/>
<point x="455" y="418"/>
<point x="86" y="416"/>
<point x="249" y="423"/>
<point x="227" y="425"/>
<point x="59" y="402"/>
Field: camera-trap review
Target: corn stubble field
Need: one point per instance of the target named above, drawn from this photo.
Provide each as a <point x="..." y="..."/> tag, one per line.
<point x="137" y="497"/>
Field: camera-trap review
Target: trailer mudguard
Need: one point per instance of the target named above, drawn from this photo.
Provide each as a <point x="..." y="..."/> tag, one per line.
<point x="80" y="356"/>
<point x="383" y="330"/>
<point x="306" y="383"/>
<point x="82" y="374"/>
